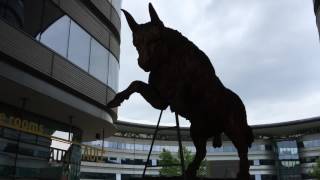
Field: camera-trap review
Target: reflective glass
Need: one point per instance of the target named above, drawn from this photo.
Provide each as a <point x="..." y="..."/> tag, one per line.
<point x="146" y="147"/>
<point x="26" y="137"/>
<point x="139" y="147"/>
<point x="113" y="73"/>
<point x="311" y="143"/>
<point x="117" y="5"/>
<point x="156" y="148"/>
<point x="287" y="150"/>
<point x="56" y="36"/>
<point x="13" y="12"/>
<point x="10" y="133"/>
<point x="46" y="16"/>
<point x="79" y="46"/>
<point x="98" y="61"/>
<point x="2" y="7"/>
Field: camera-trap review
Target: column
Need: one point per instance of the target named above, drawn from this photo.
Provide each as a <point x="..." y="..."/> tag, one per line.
<point x="118" y="176"/>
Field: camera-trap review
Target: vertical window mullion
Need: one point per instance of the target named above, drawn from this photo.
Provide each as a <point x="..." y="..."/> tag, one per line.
<point x="89" y="54"/>
<point x="41" y="21"/>
<point x="68" y="42"/>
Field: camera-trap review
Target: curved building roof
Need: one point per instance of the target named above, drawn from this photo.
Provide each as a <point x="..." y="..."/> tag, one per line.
<point x="283" y="129"/>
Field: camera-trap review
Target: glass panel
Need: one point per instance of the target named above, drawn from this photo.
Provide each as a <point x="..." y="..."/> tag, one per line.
<point x="56" y="36"/>
<point x="79" y="46"/>
<point x="29" y="138"/>
<point x="27" y="155"/>
<point x="113" y="73"/>
<point x="13" y="11"/>
<point x="48" y="15"/>
<point x="2" y="7"/>
<point x="98" y="61"/>
<point x="7" y="158"/>
<point x="44" y="141"/>
<point x="29" y="15"/>
<point x="117" y="5"/>
<point x="10" y="133"/>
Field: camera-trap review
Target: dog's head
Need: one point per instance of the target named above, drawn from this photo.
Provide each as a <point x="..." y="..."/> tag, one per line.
<point x="146" y="38"/>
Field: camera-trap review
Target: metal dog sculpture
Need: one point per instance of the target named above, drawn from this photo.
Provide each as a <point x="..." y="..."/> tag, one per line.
<point x="182" y="77"/>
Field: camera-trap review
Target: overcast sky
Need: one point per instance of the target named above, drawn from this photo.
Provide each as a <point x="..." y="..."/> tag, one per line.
<point x="268" y="52"/>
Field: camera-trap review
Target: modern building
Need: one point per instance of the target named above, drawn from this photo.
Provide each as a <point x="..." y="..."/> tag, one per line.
<point x="317" y="13"/>
<point x="280" y="151"/>
<point x="59" y="64"/>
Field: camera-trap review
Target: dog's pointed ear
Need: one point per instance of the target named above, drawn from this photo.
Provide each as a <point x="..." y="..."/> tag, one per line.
<point x="154" y="16"/>
<point x="132" y="23"/>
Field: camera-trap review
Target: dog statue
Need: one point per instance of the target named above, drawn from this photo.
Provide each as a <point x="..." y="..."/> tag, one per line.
<point x="182" y="77"/>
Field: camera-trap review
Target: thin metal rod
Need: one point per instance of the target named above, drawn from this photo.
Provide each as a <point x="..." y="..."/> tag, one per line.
<point x="69" y="152"/>
<point x="102" y="140"/>
<point x="153" y="139"/>
<point x="22" y="110"/>
<point x="70" y="127"/>
<point x="180" y="145"/>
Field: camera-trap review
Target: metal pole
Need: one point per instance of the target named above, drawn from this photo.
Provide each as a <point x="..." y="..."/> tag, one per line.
<point x="69" y="151"/>
<point x="180" y="146"/>
<point x="23" y="106"/>
<point x="70" y="128"/>
<point x="102" y="139"/>
<point x="153" y="139"/>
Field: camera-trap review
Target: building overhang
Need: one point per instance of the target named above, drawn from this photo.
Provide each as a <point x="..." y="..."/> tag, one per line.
<point x="50" y="101"/>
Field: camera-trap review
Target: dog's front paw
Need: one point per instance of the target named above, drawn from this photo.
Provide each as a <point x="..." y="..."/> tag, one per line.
<point x="117" y="100"/>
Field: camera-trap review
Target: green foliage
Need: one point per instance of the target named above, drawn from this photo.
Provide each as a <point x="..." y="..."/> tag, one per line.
<point x="166" y="157"/>
<point x="316" y="170"/>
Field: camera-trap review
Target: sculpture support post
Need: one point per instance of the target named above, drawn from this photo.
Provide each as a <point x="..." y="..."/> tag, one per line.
<point x="153" y="139"/>
<point x="180" y="146"/>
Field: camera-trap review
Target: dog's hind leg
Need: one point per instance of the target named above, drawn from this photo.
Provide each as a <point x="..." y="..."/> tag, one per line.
<point x="200" y="143"/>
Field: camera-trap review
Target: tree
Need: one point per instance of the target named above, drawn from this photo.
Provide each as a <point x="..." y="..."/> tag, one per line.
<point x="166" y="157"/>
<point x="316" y="169"/>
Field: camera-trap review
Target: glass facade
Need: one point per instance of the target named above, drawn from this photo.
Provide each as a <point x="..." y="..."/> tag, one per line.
<point x="279" y="159"/>
<point x="56" y="36"/>
<point x="99" y="59"/>
<point x="28" y="151"/>
<point x="116" y="5"/>
<point x="48" y="24"/>
<point x="79" y="46"/>
<point x="288" y="164"/>
<point x="175" y="148"/>
<point x="309" y="143"/>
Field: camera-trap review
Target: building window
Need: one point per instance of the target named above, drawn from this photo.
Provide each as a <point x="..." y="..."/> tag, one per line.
<point x="116" y="4"/>
<point x="113" y="72"/>
<point x="45" y="22"/>
<point x="79" y="46"/>
<point x="98" y="61"/>
<point x="267" y="162"/>
<point x="311" y="159"/>
<point x="56" y="36"/>
<point x="28" y="154"/>
<point x="310" y="143"/>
